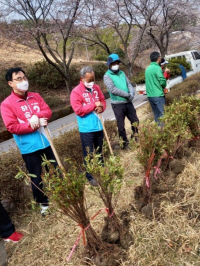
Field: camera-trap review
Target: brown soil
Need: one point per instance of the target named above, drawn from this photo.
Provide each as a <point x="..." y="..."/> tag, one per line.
<point x="110" y="233"/>
<point x="166" y="182"/>
<point x="120" y="234"/>
<point x="113" y="256"/>
<point x="176" y="166"/>
<point x="183" y="152"/>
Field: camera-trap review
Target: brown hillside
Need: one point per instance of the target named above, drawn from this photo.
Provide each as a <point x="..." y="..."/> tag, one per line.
<point x="13" y="53"/>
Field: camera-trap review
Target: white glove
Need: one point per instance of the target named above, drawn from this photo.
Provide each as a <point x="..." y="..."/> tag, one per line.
<point x="34" y="122"/>
<point x="43" y="122"/>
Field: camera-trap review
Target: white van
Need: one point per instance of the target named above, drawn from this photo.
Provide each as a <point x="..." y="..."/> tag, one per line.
<point x="192" y="57"/>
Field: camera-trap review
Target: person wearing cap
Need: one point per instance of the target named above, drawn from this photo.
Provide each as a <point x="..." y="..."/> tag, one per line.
<point x="88" y="101"/>
<point x="155" y="83"/>
<point x="165" y="70"/>
<point x="121" y="93"/>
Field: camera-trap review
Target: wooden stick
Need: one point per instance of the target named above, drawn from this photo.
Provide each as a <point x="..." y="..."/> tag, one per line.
<point x="105" y="132"/>
<point x="53" y="148"/>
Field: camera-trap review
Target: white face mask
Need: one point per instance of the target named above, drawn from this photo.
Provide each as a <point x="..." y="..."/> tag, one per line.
<point x="23" y="86"/>
<point x="115" y="67"/>
<point x="89" y="85"/>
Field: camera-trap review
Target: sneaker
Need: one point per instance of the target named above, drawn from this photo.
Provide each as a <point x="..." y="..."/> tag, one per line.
<point x="44" y="210"/>
<point x="15" y="237"/>
<point x="94" y="182"/>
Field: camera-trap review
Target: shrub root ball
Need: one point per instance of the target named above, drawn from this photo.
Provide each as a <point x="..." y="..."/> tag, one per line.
<point x="113" y="255"/>
<point x="149" y="206"/>
<point x="118" y="233"/>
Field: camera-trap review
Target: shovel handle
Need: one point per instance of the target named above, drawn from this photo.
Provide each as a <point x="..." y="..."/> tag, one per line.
<point x="105" y="132"/>
<point x="53" y="147"/>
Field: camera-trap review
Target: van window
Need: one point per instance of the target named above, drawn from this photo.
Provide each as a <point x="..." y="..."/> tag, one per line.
<point x="196" y="55"/>
<point x="178" y="57"/>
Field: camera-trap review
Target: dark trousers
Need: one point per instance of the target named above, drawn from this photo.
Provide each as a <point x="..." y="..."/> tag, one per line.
<point x="92" y="140"/>
<point x="125" y="110"/>
<point x="6" y="226"/>
<point x="33" y="164"/>
<point x="157" y="105"/>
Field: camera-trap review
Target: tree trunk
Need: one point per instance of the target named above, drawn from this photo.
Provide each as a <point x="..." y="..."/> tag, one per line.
<point x="67" y="79"/>
<point x="162" y="51"/>
<point x="62" y="68"/>
<point x="68" y="86"/>
<point x="129" y="68"/>
<point x="158" y="43"/>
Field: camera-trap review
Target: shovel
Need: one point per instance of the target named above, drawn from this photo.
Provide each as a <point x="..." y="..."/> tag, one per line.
<point x="105" y="132"/>
<point x="53" y="148"/>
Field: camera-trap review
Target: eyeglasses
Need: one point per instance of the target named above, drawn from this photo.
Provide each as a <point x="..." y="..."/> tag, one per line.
<point x="20" y="78"/>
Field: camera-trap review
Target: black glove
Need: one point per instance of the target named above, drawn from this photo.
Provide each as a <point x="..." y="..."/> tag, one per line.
<point x="130" y="97"/>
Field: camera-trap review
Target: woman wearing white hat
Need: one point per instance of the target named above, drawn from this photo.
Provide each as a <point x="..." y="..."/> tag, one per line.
<point x="165" y="70"/>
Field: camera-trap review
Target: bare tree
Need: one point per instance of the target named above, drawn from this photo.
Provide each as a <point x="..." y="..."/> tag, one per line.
<point x="116" y="17"/>
<point x="51" y="24"/>
<point x="165" y="16"/>
<point x="194" y="36"/>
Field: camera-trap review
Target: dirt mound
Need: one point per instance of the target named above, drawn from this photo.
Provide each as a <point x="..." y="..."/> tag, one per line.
<point x="150" y="206"/>
<point x="113" y="256"/>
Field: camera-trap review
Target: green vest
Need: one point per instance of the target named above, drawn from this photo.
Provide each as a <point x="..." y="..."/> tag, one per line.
<point x="119" y="81"/>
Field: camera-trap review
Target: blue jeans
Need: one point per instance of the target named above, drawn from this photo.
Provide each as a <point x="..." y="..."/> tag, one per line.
<point x="92" y="140"/>
<point x="157" y="105"/>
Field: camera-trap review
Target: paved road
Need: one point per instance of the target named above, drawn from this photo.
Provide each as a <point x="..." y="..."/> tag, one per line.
<point x="68" y="122"/>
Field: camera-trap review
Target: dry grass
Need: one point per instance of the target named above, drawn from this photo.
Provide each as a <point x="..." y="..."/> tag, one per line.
<point x="16" y="54"/>
<point x="13" y="53"/>
<point x="172" y="240"/>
